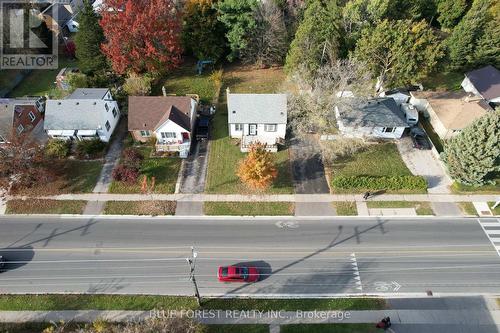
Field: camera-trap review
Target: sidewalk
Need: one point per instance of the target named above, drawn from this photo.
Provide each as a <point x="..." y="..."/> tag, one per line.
<point x="271" y="198"/>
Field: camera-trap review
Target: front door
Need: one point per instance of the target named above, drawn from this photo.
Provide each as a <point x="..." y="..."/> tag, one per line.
<point x="252" y="129"/>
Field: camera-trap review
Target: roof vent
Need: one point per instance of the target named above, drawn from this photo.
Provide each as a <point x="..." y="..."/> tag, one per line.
<point x="282" y="113"/>
<point x="145" y="125"/>
<point x="95" y="103"/>
<point x="234" y="111"/>
<point x="77" y="103"/>
<point x="59" y="103"/>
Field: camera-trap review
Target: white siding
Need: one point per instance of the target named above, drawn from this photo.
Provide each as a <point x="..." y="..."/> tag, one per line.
<point x="263" y="135"/>
<point x="102" y="132"/>
<point x="170" y="126"/>
<point x="469" y="87"/>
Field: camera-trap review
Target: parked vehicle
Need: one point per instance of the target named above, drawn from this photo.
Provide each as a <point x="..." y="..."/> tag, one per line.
<point x="419" y="138"/>
<point x="2" y="262"/>
<point x="411" y="113"/>
<point x="237" y="274"/>
<point x="202" y="128"/>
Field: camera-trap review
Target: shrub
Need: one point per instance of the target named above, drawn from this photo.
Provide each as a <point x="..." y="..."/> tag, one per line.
<point x="56" y="148"/>
<point x="379" y="183"/>
<point x="136" y="85"/>
<point x="132" y="158"/>
<point x="126" y="174"/>
<point x="90" y="148"/>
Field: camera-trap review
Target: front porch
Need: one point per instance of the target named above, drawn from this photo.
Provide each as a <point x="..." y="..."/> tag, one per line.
<point x="182" y="147"/>
<point x="248" y="140"/>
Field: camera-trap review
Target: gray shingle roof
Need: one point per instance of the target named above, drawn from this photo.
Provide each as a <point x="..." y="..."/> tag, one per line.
<point x="256" y="108"/>
<point x="88" y="93"/>
<point x="486" y="80"/>
<point x="377" y="112"/>
<point x="74" y="114"/>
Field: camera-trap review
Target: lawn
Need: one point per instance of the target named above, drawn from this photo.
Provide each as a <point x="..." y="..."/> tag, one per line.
<point x="40" y="81"/>
<point x="467" y="208"/>
<point x="72" y="176"/>
<point x="164" y="169"/>
<point x="422" y="208"/>
<point x="485" y="189"/>
<point x="329" y="328"/>
<point x="54" y="302"/>
<point x="249" y="208"/>
<point x="246" y="328"/>
<point x="443" y="81"/>
<point x="41" y="206"/>
<point x="225" y="152"/>
<point x="495" y="211"/>
<point x="378" y="160"/>
<point x="140" y="208"/>
<point x="184" y="80"/>
<point x="345" y="208"/>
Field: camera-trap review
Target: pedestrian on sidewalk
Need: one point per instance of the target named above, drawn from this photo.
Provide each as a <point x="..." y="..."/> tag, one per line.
<point x="366" y="195"/>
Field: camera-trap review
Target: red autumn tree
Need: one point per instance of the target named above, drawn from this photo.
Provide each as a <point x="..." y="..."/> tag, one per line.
<point x="142" y="35"/>
<point x="257" y="170"/>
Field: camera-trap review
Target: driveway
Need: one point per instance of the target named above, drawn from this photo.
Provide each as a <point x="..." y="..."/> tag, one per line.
<point x="424" y="163"/>
<point x="194" y="170"/>
<point x="307" y="167"/>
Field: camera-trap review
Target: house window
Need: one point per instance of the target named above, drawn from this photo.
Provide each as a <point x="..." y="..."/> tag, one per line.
<point x="270" y="127"/>
<point x="108" y="126"/>
<point x="114" y="112"/>
<point x="252" y="129"/>
<point x="388" y="129"/>
<point x="20" y="129"/>
<point x="32" y="116"/>
<point x="167" y="135"/>
<point x="106" y="106"/>
<point x="238" y="127"/>
<point x="2" y="140"/>
<point x="145" y="134"/>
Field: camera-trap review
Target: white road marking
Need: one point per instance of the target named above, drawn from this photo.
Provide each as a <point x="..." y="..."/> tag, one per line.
<point x="487" y="226"/>
<point x="355" y="268"/>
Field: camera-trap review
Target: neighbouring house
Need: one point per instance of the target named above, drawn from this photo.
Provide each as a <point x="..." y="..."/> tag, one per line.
<point x="375" y="118"/>
<point x="400" y="95"/>
<point x="483" y="82"/>
<point x="22" y="117"/>
<point x="60" y="16"/>
<point x="257" y="118"/>
<point x="449" y="112"/>
<point x="168" y="120"/>
<point x="87" y="113"/>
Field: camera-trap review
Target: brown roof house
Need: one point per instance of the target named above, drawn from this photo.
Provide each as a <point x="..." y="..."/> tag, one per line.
<point x="168" y="119"/>
<point x="22" y="117"/>
<point x="449" y="112"/>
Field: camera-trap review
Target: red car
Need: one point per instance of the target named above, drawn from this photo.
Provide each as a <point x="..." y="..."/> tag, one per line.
<point x="237" y="274"/>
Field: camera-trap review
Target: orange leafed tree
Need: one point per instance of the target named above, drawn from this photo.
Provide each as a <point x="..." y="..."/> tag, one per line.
<point x="257" y="170"/>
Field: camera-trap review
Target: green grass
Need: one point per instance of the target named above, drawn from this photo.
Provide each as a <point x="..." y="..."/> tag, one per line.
<point x="467" y="208"/>
<point x="248" y="208"/>
<point x="433" y="136"/>
<point x="247" y="328"/>
<point x="164" y="169"/>
<point x="139" y="208"/>
<point x="421" y="208"/>
<point x="54" y="302"/>
<point x="443" y="81"/>
<point x="72" y="176"/>
<point x="485" y="189"/>
<point x="184" y="80"/>
<point x="346" y="208"/>
<point x="329" y="328"/>
<point x="41" y="206"/>
<point x="495" y="211"/>
<point x="40" y="81"/>
<point x="224" y="152"/>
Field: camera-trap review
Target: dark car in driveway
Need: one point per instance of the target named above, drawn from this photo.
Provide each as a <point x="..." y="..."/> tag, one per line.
<point x="202" y="128"/>
<point x="419" y="138"/>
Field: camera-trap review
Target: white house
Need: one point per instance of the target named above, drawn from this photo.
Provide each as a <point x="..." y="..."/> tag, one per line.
<point x="257" y="118"/>
<point x="168" y="119"/>
<point x="85" y="114"/>
<point x="375" y="118"/>
<point x="483" y="82"/>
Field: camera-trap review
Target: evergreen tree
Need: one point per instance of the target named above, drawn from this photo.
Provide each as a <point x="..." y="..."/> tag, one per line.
<point x="318" y="38"/>
<point x="473" y="156"/>
<point x="463" y="40"/>
<point x="88" y="41"/>
<point x="399" y="52"/>
<point x="203" y="33"/>
<point x="450" y="12"/>
<point x="488" y="46"/>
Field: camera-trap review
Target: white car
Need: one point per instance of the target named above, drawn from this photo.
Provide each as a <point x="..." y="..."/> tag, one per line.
<point x="72" y="25"/>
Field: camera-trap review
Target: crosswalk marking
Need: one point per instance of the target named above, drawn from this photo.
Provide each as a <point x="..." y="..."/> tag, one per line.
<point x="491" y="228"/>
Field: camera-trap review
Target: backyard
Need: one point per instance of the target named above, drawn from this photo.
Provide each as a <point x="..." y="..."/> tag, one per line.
<point x="379" y="167"/>
<point x="164" y="169"/>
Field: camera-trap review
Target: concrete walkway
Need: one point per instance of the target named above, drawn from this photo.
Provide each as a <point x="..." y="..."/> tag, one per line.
<point x="271" y="198"/>
<point x="467" y="317"/>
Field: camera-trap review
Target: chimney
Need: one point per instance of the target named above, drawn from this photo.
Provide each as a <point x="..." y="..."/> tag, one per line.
<point x="164" y="91"/>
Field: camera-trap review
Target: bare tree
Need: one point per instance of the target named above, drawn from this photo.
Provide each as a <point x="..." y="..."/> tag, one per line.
<point x="268" y="44"/>
<point x="311" y="107"/>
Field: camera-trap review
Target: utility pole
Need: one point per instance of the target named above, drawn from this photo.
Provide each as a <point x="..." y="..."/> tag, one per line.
<point x="192" y="262"/>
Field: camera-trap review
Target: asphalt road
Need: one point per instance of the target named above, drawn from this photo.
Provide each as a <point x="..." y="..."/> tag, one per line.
<point x="340" y="256"/>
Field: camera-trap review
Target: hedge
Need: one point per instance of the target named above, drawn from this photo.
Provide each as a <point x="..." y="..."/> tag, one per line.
<point x="387" y="183"/>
